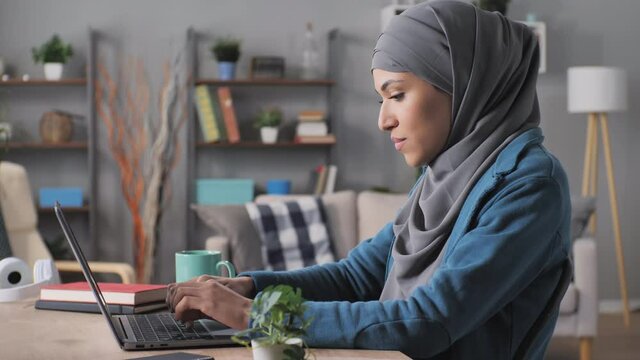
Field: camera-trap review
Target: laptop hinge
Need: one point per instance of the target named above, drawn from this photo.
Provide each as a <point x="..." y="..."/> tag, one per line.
<point x="121" y="329"/>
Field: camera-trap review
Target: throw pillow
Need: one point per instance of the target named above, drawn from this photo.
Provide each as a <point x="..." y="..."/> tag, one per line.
<point x="581" y="210"/>
<point x="233" y="222"/>
<point x="340" y="208"/>
<point x="293" y="233"/>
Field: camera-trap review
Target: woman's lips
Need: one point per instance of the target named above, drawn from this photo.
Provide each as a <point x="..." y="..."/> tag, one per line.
<point x="398" y="142"/>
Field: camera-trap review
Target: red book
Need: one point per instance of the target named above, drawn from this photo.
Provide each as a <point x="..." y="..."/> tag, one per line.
<point x="114" y="293"/>
<point x="229" y="114"/>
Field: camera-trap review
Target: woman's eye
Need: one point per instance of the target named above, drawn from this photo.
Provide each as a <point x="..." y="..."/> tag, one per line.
<point x="397" y="97"/>
<point x="380" y="101"/>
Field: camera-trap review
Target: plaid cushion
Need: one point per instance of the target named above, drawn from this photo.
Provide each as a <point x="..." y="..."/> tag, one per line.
<point x="293" y="233"/>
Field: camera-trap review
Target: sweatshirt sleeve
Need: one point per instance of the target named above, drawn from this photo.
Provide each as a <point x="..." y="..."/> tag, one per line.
<point x="360" y="276"/>
<point x="509" y="244"/>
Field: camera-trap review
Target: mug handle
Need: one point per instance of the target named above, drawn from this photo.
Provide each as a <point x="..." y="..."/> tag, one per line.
<point x="230" y="269"/>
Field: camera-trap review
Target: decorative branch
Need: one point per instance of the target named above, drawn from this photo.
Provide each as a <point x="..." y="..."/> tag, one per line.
<point x="128" y="128"/>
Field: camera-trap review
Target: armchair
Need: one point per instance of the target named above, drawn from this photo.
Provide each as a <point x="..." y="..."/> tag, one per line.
<point x="21" y="222"/>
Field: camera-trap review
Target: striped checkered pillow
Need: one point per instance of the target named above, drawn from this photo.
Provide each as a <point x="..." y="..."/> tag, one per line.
<point x="293" y="233"/>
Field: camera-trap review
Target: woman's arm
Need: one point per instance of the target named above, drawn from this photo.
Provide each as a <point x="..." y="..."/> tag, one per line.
<point x="488" y="267"/>
<point x="358" y="277"/>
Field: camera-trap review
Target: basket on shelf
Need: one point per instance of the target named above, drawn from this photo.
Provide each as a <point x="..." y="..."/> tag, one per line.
<point x="56" y="127"/>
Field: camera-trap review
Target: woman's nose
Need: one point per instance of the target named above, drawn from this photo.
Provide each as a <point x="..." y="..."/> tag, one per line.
<point x="386" y="119"/>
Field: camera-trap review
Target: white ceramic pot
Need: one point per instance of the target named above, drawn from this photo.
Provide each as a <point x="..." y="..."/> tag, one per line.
<point x="272" y="352"/>
<point x="269" y="134"/>
<point x="53" y="71"/>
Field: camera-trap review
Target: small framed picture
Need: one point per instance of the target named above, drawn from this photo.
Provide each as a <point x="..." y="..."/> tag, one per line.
<point x="540" y="29"/>
<point x="267" y="67"/>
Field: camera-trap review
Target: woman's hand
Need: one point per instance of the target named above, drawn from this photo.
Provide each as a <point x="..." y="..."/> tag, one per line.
<point x="223" y="299"/>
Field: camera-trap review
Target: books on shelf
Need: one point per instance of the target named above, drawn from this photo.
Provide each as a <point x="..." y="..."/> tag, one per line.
<point x="319" y="128"/>
<point x="325" y="176"/>
<point x="324" y="139"/>
<point x="321" y="178"/>
<point x="114" y="293"/>
<point x="330" y="185"/>
<point x="92" y="307"/>
<point x="311" y="115"/>
<point x="209" y="123"/>
<point x="229" y="114"/>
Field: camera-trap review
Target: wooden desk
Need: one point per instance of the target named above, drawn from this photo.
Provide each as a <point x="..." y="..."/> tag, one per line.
<point x="27" y="333"/>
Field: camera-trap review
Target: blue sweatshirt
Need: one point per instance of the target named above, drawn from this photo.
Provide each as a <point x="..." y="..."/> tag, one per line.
<point x="501" y="264"/>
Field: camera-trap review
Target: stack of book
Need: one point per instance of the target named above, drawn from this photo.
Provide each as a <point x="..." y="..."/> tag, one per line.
<point x="325" y="179"/>
<point x="120" y="298"/>
<point x="216" y="114"/>
<point x="312" y="128"/>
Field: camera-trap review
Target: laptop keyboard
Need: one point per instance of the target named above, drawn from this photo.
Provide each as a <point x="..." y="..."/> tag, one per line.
<point x="162" y="327"/>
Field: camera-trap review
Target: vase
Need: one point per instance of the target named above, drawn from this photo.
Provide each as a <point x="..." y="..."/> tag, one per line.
<point x="53" y="71"/>
<point x="226" y="70"/>
<point x="269" y="134"/>
<point x="274" y="352"/>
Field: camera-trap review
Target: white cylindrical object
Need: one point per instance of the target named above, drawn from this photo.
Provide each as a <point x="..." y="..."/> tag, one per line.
<point x="596" y="89"/>
<point x="53" y="71"/>
<point x="269" y="134"/>
<point x="14" y="272"/>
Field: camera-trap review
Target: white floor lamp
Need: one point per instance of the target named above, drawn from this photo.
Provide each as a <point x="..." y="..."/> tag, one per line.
<point x="597" y="90"/>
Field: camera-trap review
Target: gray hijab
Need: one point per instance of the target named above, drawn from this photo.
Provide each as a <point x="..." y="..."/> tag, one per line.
<point x="489" y="65"/>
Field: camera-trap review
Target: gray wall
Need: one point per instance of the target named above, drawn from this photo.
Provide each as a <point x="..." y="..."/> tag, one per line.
<point x="580" y="32"/>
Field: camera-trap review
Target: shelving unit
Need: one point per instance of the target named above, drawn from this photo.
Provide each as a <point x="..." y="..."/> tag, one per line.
<point x="37" y="154"/>
<point x="247" y="146"/>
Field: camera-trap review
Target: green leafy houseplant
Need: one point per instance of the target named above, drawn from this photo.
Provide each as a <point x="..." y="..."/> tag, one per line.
<point x="226" y="50"/>
<point x="277" y="316"/>
<point x="53" y="51"/>
<point x="269" y="117"/>
<point x="493" y="5"/>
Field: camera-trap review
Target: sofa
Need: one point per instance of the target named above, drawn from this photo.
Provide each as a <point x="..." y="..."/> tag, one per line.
<point x="353" y="217"/>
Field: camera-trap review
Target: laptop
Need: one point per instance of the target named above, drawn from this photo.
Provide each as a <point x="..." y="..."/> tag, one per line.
<point x="148" y="331"/>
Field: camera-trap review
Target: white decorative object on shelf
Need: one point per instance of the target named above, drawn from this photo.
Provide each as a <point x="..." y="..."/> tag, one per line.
<point x="310" y="55"/>
<point x="53" y="71"/>
<point x="269" y="134"/>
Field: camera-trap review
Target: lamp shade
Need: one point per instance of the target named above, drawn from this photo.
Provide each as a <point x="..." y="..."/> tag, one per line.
<point x="596" y="89"/>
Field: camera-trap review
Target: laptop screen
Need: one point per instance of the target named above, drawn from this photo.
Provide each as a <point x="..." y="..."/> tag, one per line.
<point x="68" y="233"/>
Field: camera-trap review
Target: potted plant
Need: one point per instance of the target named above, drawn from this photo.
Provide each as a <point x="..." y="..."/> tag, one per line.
<point x="227" y="52"/>
<point x="53" y="54"/>
<point x="268" y="121"/>
<point x="277" y="324"/>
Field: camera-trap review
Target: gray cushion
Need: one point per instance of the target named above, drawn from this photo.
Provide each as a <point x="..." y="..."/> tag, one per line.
<point x="233" y="222"/>
<point x="581" y="210"/>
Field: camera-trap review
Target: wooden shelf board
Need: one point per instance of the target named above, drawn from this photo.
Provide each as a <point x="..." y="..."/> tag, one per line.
<point x="258" y="144"/>
<point x="82" y="209"/>
<point x="41" y="145"/>
<point x="43" y="82"/>
<point x="265" y="82"/>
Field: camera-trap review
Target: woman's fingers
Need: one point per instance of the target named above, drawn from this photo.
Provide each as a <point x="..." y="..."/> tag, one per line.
<point x="187" y="310"/>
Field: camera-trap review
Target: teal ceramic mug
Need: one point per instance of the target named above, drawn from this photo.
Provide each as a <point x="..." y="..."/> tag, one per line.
<point x="193" y="263"/>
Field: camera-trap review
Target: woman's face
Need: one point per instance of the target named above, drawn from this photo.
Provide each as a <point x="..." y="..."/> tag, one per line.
<point x="416" y="114"/>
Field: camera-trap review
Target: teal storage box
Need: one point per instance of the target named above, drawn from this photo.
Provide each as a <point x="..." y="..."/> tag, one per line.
<point x="66" y="196"/>
<point x="224" y="191"/>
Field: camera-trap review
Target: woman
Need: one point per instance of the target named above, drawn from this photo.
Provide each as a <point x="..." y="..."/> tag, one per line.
<point x="474" y="255"/>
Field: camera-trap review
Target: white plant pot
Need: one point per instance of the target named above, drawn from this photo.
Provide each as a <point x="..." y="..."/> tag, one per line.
<point x="272" y="352"/>
<point x="53" y="71"/>
<point x="269" y="134"/>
